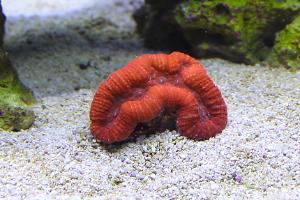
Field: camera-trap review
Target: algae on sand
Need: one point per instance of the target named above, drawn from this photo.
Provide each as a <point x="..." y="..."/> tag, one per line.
<point x="14" y="98"/>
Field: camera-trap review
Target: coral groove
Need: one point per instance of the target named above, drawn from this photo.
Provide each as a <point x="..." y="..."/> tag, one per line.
<point x="141" y="90"/>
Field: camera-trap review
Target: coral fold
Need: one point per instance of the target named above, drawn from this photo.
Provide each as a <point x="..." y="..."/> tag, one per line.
<point x="151" y="83"/>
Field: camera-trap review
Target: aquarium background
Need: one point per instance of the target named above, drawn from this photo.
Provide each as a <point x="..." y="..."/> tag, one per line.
<point x="54" y="55"/>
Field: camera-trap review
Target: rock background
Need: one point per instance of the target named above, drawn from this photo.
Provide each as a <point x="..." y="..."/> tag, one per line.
<point x="14" y="96"/>
<point x="241" y="31"/>
<point x="2" y="22"/>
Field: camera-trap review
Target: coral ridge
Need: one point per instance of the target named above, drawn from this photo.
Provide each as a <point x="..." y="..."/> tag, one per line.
<point x="147" y="85"/>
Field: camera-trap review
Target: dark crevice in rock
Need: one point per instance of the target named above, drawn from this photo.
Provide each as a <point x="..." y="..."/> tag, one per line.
<point x="158" y="30"/>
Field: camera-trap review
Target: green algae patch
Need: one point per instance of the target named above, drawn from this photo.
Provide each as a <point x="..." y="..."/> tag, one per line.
<point x="249" y="31"/>
<point x="15" y="98"/>
<point x="241" y="30"/>
<point x="287" y="47"/>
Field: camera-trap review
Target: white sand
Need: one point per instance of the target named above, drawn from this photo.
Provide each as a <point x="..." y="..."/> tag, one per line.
<point x="256" y="156"/>
<point x="47" y="7"/>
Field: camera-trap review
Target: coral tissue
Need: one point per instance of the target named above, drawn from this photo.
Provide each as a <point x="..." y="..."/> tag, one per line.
<point x="149" y="84"/>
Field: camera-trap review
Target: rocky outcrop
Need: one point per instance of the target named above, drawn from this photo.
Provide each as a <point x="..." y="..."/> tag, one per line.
<point x="14" y="96"/>
<point x="287" y="46"/>
<point x="242" y="31"/>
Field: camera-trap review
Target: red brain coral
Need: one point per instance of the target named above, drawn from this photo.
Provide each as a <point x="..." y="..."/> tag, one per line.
<point x="148" y="84"/>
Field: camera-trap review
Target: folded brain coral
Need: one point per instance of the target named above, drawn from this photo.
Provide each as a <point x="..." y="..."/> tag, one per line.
<point x="141" y="90"/>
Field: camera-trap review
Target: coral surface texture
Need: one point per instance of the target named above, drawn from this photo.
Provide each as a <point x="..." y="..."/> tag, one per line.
<point x="150" y="84"/>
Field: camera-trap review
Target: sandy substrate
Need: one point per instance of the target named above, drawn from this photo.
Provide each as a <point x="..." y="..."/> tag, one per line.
<point x="64" y="58"/>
